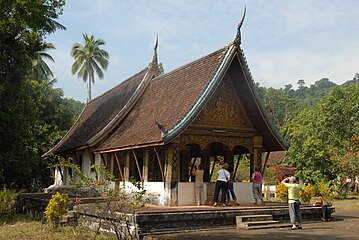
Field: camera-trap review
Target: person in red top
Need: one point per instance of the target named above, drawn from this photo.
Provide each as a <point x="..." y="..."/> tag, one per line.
<point x="257" y="186"/>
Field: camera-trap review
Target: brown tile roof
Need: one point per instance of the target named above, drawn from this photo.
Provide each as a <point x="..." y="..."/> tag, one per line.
<point x="98" y="113"/>
<point x="275" y="158"/>
<point x="168" y="98"/>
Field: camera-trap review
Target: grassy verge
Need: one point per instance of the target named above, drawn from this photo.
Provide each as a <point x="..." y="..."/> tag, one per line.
<point x="351" y="203"/>
<point x="22" y="227"/>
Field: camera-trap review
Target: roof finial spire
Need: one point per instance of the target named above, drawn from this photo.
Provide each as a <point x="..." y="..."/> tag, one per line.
<point x="238" y="38"/>
<point x="154" y="59"/>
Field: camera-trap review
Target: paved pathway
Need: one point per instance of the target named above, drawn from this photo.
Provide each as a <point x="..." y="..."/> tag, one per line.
<point x="345" y="228"/>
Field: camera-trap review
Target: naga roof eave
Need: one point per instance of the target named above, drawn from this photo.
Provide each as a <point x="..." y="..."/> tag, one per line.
<point x="152" y="71"/>
<point x="122" y="113"/>
<point x="64" y="138"/>
<point x="203" y="98"/>
<point x="248" y="76"/>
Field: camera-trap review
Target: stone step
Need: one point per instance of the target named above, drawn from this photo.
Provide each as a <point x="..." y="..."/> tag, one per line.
<point x="65" y="218"/>
<point x="71" y="213"/>
<point x="276" y="225"/>
<point x="253" y="218"/>
<point x="247" y="225"/>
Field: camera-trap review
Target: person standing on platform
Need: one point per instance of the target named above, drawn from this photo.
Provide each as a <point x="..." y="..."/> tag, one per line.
<point x="221" y="185"/>
<point x="257" y="186"/>
<point x="293" y="201"/>
<point x="230" y="191"/>
<point x="199" y="186"/>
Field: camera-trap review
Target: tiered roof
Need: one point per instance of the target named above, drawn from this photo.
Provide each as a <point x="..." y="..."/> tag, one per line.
<point x="149" y="109"/>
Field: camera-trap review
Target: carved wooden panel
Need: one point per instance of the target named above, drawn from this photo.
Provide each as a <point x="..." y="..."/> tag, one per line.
<point x="203" y="141"/>
<point x="224" y="109"/>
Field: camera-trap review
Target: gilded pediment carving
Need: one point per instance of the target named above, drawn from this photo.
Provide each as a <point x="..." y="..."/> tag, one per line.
<point x="224" y="109"/>
<point x="203" y="141"/>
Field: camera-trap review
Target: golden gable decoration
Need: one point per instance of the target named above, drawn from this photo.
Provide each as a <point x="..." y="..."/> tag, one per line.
<point x="223" y="110"/>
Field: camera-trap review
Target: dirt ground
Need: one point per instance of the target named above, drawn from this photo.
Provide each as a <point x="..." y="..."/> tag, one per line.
<point x="344" y="226"/>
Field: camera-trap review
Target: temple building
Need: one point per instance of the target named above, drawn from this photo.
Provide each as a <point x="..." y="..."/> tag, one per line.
<point x="157" y="127"/>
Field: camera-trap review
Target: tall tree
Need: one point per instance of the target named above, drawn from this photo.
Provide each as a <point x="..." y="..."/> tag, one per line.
<point x="325" y="138"/>
<point x="40" y="69"/>
<point x="89" y="58"/>
<point x="23" y="29"/>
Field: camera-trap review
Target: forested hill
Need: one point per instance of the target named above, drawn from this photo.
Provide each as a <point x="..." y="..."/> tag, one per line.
<point x="282" y="104"/>
<point x="321" y="124"/>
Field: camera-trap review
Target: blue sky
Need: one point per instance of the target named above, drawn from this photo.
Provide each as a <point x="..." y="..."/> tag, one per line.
<point x="284" y="41"/>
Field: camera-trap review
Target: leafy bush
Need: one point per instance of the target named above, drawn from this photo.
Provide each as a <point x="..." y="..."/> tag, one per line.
<point x="341" y="191"/>
<point x="7" y="203"/>
<point x="282" y="192"/>
<point x="56" y="208"/>
<point x="307" y="194"/>
<point x="326" y="191"/>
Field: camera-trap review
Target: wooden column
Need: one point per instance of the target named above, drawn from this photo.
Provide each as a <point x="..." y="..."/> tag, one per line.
<point x="126" y="172"/>
<point x="171" y="174"/>
<point x="145" y="164"/>
<point x="159" y="160"/>
<point x="206" y="163"/>
<point x="256" y="153"/>
<point x="229" y="158"/>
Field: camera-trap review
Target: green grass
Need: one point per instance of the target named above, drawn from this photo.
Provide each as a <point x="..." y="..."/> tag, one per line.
<point x="22" y="227"/>
<point x="350" y="203"/>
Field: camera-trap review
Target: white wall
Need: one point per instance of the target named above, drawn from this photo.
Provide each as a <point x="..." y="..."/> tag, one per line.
<point x="243" y="192"/>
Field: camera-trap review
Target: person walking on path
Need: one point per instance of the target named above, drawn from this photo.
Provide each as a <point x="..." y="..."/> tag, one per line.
<point x="221" y="185"/>
<point x="257" y="186"/>
<point x="293" y="201"/>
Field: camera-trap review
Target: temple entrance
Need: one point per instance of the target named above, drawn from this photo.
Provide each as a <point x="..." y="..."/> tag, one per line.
<point x="210" y="158"/>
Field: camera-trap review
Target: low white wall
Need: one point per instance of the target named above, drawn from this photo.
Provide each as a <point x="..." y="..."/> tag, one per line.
<point x="243" y="192"/>
<point x="186" y="193"/>
<point x="156" y="192"/>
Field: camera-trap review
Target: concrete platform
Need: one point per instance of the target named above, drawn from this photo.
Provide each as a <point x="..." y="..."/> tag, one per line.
<point x="152" y="220"/>
<point x="344" y="226"/>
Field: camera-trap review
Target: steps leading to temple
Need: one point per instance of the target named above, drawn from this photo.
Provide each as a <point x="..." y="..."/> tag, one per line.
<point x="251" y="221"/>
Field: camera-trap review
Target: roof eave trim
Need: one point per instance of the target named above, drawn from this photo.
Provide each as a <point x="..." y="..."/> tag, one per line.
<point x="64" y="138"/>
<point x="191" y="114"/>
<point x="146" y="145"/>
<point x="284" y="144"/>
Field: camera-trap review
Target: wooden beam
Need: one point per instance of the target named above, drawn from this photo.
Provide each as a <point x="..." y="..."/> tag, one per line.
<point x="119" y="167"/>
<point x="235" y="170"/>
<point x="138" y="166"/>
<point x="160" y="164"/>
<point x="211" y="173"/>
<point x="59" y="169"/>
<point x="90" y="156"/>
<point x="103" y="160"/>
<point x="265" y="163"/>
<point x="192" y="166"/>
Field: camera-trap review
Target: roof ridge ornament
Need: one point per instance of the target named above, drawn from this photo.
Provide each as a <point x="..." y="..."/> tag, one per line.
<point x="237" y="40"/>
<point x="154" y="59"/>
<point x="161" y="127"/>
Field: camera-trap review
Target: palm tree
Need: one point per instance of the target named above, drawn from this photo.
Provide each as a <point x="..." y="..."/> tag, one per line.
<point x="89" y="58"/>
<point x="40" y="69"/>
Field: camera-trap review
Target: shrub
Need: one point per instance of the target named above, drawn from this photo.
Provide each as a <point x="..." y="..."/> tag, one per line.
<point x="282" y="192"/>
<point x="7" y="203"/>
<point x="308" y="193"/>
<point x="56" y="208"/>
<point x="341" y="191"/>
<point x="326" y="190"/>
